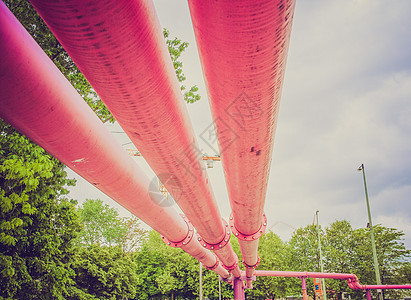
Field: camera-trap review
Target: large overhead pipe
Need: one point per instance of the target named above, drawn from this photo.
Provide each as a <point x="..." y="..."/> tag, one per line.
<point x="39" y="102"/>
<point x="119" y="47"/>
<point x="243" y="49"/>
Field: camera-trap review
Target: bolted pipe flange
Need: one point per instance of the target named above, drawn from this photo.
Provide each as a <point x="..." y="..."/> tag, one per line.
<point x="184" y="241"/>
<point x="250" y="237"/>
<point x="230" y="268"/>
<point x="224" y="241"/>
<point x="253" y="266"/>
<point x="213" y="266"/>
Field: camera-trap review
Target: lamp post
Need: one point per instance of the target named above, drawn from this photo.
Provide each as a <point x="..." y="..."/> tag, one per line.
<point x="374" y="249"/>
<point x="201" y="282"/>
<point x="321" y="256"/>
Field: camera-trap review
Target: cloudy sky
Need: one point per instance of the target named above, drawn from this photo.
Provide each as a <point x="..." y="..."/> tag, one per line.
<point x="346" y="101"/>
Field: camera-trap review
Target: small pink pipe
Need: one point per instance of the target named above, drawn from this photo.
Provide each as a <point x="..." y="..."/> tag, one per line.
<point x="303" y="274"/>
<point x="368" y="295"/>
<point x="352" y="279"/>
<point x="304" y="288"/>
<point x="39" y="102"/>
<point x="120" y="49"/>
<point x="357" y="286"/>
<point x="243" y="49"/>
<point x="238" y="289"/>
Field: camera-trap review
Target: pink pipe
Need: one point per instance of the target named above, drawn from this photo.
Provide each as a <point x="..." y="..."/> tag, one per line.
<point x="39" y="102"/>
<point x="304" y="288"/>
<point x="238" y="289"/>
<point x="243" y="48"/>
<point x="119" y="47"/>
<point x="352" y="279"/>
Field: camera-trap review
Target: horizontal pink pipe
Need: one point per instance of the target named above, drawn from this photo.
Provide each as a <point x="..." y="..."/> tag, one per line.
<point x="387" y="287"/>
<point x="120" y="48"/>
<point x="243" y="49"/>
<point x="352" y="279"/>
<point x="304" y="274"/>
<point x="39" y="102"/>
<point x="357" y="286"/>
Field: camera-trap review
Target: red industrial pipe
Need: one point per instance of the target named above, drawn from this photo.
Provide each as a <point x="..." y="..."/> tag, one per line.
<point x="119" y="47"/>
<point x="243" y="49"/>
<point x="39" y="102"/>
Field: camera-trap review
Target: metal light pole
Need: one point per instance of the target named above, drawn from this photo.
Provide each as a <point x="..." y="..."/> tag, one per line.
<point x="219" y="288"/>
<point x="321" y="256"/>
<point x="374" y="249"/>
<point x="201" y="281"/>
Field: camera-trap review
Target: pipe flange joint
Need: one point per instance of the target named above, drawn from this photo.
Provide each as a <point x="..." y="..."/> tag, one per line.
<point x="249" y="237"/>
<point x="184" y="241"/>
<point x="224" y="241"/>
<point x="213" y="266"/>
<point x="252" y="266"/>
<point x="230" y="268"/>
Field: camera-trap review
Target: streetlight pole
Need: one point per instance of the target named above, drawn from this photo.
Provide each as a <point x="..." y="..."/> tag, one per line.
<point x="321" y="256"/>
<point x="201" y="281"/>
<point x="374" y="249"/>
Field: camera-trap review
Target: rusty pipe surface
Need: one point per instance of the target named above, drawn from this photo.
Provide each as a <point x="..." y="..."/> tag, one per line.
<point x="39" y="102"/>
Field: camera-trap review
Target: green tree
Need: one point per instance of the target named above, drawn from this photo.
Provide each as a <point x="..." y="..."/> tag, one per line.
<point x="176" y="47"/>
<point x="340" y="254"/>
<point x="37" y="222"/>
<point x="171" y="273"/>
<point x="303" y="255"/>
<point x="273" y="256"/>
<point x="103" y="225"/>
<point x="303" y="248"/>
<point x="103" y="273"/>
<point x="134" y="235"/>
<point x="150" y="262"/>
<point x="391" y="254"/>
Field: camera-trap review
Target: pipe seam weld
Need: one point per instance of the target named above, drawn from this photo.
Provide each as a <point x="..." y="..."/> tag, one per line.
<point x="221" y="244"/>
<point x="187" y="238"/>
<point x="249" y="237"/>
<point x="252" y="266"/>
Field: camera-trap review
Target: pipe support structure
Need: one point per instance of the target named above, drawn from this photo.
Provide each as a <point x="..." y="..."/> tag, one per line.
<point x="40" y="103"/>
<point x="304" y="288"/>
<point x="243" y="48"/>
<point x="128" y="64"/>
<point x="352" y="279"/>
